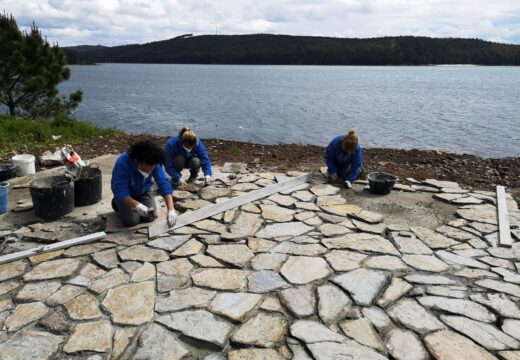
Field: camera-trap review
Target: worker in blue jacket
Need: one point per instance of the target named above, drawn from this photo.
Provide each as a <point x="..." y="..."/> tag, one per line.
<point x="344" y="159"/>
<point x="132" y="180"/>
<point x="186" y="151"/>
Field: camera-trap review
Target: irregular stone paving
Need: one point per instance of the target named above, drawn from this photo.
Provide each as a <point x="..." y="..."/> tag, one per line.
<point x="301" y="274"/>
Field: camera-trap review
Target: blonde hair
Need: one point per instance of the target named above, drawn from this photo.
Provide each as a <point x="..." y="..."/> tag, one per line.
<point x="349" y="142"/>
<point x="187" y="137"/>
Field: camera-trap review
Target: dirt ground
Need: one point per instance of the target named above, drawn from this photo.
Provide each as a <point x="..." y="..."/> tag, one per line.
<point x="468" y="170"/>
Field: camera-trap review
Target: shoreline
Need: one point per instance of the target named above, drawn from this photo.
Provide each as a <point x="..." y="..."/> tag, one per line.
<point x="468" y="170"/>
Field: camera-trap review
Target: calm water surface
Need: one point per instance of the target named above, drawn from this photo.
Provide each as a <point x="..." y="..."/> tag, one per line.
<point x="469" y="109"/>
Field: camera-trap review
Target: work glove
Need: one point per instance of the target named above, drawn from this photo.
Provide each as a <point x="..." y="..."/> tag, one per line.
<point x="182" y="182"/>
<point x="141" y="209"/>
<point x="207" y="179"/>
<point x="171" y="218"/>
<point x="348" y="184"/>
<point x="333" y="178"/>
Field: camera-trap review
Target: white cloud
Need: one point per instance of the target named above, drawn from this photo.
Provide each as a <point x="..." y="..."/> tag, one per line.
<point x="110" y="22"/>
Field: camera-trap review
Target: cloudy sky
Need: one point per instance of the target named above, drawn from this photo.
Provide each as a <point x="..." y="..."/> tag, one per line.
<point x="117" y="22"/>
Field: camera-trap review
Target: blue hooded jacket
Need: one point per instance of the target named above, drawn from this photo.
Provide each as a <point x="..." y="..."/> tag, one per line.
<point x="336" y="157"/>
<point x="174" y="147"/>
<point x="128" y="181"/>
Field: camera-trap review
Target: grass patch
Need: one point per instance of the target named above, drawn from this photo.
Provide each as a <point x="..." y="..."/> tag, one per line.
<point x="16" y="133"/>
<point x="235" y="150"/>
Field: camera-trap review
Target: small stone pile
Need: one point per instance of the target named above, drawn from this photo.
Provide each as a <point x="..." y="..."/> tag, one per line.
<point x="301" y="274"/>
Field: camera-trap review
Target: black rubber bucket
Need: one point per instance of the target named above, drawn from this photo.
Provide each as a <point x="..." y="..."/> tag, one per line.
<point x="88" y="187"/>
<point x="7" y="172"/>
<point x="381" y="183"/>
<point x="52" y="196"/>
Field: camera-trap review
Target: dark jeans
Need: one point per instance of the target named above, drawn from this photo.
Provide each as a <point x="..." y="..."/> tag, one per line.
<point x="193" y="163"/>
<point x="128" y="216"/>
<point x="343" y="169"/>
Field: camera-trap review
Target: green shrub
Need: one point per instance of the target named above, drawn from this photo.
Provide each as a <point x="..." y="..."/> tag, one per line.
<point x="16" y="133"/>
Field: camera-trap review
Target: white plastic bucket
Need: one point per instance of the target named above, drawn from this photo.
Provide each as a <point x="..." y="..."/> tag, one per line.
<point x="24" y="164"/>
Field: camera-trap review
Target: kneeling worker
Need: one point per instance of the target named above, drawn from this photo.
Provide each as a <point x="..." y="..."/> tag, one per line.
<point x="132" y="179"/>
<point x="186" y="151"/>
<point x="344" y="159"/>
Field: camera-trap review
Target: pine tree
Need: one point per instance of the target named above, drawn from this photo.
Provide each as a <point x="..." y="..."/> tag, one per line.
<point x="30" y="71"/>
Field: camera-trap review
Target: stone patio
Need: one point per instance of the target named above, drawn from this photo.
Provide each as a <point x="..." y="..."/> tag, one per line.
<point x="302" y="274"/>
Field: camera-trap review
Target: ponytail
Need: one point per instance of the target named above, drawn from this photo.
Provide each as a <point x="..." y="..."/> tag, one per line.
<point x="350" y="142"/>
<point x="187" y="137"/>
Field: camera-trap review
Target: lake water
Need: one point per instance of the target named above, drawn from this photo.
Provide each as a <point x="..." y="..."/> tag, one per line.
<point x="469" y="109"/>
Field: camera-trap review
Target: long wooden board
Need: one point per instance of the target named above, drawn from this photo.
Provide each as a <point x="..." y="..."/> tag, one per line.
<point x="52" y="247"/>
<point x="504" y="231"/>
<point x="201" y="214"/>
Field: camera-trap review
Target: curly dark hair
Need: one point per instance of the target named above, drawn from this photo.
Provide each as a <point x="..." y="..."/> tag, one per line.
<point x="146" y="152"/>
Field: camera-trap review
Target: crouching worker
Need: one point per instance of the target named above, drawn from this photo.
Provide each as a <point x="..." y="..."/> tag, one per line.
<point x="344" y="159"/>
<point x="186" y="151"/>
<point x="132" y="179"/>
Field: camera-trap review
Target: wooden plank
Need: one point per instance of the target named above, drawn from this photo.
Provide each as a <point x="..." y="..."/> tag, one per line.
<point x="52" y="247"/>
<point x="504" y="231"/>
<point x="201" y="214"/>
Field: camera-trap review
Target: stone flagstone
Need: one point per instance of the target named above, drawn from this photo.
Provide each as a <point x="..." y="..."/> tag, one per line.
<point x="345" y="260"/>
<point x="386" y="262"/>
<point x="265" y="281"/>
<point x="283" y="229"/>
<point x="510" y="289"/>
<point x="109" y="280"/>
<point x="449" y="345"/>
<point x="404" y="345"/>
<point x="484" y="334"/>
<point x="53" y="269"/>
<point x="160" y="344"/>
<point x="277" y="213"/>
<point x="24" y="314"/>
<point x="368" y="216"/>
<point x="107" y="259"/>
<point x="329" y="230"/>
<point x="173" y="274"/>
<point x="246" y="224"/>
<point x="324" y="190"/>
<point x="145" y="272"/>
<point x="236" y="254"/>
<point x="486" y="216"/>
<point x="264" y="330"/>
<point x="252" y="354"/>
<point x="143" y="253"/>
<point x="310" y="331"/>
<point x="30" y="344"/>
<point x="235" y="306"/>
<point x="458" y="306"/>
<point x="430" y="279"/>
<point x="425" y="263"/>
<point x="131" y="304"/>
<point x="288" y="247"/>
<point x="190" y="247"/>
<point x="90" y="336"/>
<point x="333" y="303"/>
<point x="397" y="289"/>
<point x="305" y="269"/>
<point x="299" y="300"/>
<point x="183" y="299"/>
<point x="200" y="325"/>
<point x="83" y="307"/>
<point x="461" y="260"/>
<point x="64" y="294"/>
<point x="220" y="279"/>
<point x="348" y="349"/>
<point x="362" y="242"/>
<point x="412" y="315"/>
<point x="268" y="261"/>
<point x="169" y="243"/>
<point x="499" y="302"/>
<point x="363" y="285"/>
<point x="363" y="332"/>
<point x="432" y="239"/>
<point x="411" y="245"/>
<point x="12" y="270"/>
<point x="38" y="291"/>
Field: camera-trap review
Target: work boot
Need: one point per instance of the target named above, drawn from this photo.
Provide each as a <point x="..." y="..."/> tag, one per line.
<point x="114" y="205"/>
